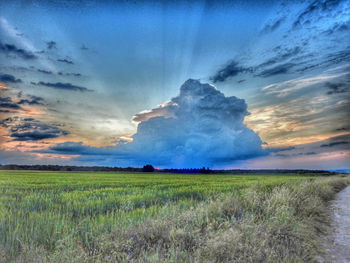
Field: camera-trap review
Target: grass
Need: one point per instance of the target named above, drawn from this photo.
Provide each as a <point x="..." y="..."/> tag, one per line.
<point x="138" y="217"/>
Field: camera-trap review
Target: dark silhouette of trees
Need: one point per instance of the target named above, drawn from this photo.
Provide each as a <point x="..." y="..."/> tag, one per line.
<point x="148" y="168"/>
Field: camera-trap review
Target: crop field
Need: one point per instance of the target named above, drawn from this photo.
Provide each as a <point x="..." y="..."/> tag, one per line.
<point x="96" y="217"/>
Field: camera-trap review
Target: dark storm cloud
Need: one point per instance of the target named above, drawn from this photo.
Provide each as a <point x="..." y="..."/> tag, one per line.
<point x="48" y="72"/>
<point x="310" y="153"/>
<point x="230" y="70"/>
<point x="281" y="149"/>
<point x="327" y="146"/>
<point x="12" y="49"/>
<point x="64" y="86"/>
<point x="32" y="100"/>
<point x="332" y="144"/>
<point x="7" y="78"/>
<point x="65" y="61"/>
<point x="69" y="74"/>
<point x="51" y="45"/>
<point x="337" y="88"/>
<point x="73" y="148"/>
<point x="29" y="129"/>
<point x="7" y="103"/>
<point x="288" y="155"/>
<point x="277" y="70"/>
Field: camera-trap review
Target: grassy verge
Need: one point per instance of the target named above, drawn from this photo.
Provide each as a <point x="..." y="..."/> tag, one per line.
<point x="261" y="223"/>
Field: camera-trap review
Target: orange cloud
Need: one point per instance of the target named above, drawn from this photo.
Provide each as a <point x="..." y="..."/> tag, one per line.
<point x="2" y="86"/>
<point x="55" y="156"/>
<point x="293" y="141"/>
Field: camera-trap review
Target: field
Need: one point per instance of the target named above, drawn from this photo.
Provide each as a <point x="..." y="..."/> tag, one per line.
<point x="154" y="217"/>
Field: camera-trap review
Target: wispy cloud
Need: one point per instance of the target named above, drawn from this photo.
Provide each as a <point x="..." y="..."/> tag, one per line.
<point x="230" y="70"/>
<point x="284" y="88"/>
<point x="63" y="86"/>
<point x="64" y="60"/>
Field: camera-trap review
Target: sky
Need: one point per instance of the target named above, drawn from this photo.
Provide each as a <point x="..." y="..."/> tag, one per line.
<point x="222" y="84"/>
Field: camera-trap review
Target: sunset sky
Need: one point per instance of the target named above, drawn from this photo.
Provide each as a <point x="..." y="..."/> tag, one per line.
<point x="223" y="84"/>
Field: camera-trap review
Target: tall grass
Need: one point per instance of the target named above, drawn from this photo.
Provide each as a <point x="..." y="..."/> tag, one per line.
<point x="123" y="217"/>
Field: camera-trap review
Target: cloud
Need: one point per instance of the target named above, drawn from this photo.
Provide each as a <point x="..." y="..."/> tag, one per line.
<point x="29" y="129"/>
<point x="321" y="148"/>
<point x="309" y="153"/>
<point x="280" y="149"/>
<point x="74" y="148"/>
<point x="280" y="57"/>
<point x="342" y="129"/>
<point x="311" y="35"/>
<point x="233" y="68"/>
<point x="331" y="59"/>
<point x="64" y="86"/>
<point x="334" y="144"/>
<point x="337" y="88"/>
<point x="6" y="102"/>
<point x="48" y="72"/>
<point x="285" y="88"/>
<point x="12" y="49"/>
<point x="198" y="127"/>
<point x="83" y="47"/>
<point x="7" y="78"/>
<point x="51" y="45"/>
<point x="230" y="70"/>
<point x="279" y="69"/>
<point x="65" y="61"/>
<point x="163" y="110"/>
<point x="69" y="74"/>
<point x="33" y="100"/>
<point x="273" y="26"/>
<point x="317" y="9"/>
<point x="30" y="158"/>
<point x="339" y="56"/>
<point x="338" y="27"/>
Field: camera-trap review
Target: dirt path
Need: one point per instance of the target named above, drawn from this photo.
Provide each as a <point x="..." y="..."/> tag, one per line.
<point x="340" y="249"/>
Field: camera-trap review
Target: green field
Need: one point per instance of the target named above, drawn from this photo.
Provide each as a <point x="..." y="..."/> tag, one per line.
<point x="46" y="213"/>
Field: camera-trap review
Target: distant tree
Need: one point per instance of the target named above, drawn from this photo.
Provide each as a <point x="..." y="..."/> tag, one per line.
<point x="148" y="168"/>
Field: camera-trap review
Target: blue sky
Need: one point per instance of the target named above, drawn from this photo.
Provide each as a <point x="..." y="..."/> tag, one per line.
<point x="76" y="73"/>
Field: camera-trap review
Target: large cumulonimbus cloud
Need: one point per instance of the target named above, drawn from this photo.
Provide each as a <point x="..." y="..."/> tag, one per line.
<point x="199" y="127"/>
